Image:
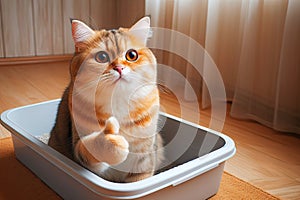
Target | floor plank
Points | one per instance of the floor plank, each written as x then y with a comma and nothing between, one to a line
266,158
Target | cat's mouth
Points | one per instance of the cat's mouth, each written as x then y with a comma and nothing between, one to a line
120,71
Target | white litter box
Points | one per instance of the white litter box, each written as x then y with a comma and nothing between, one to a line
193,168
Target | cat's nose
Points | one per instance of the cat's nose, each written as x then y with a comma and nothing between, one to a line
119,69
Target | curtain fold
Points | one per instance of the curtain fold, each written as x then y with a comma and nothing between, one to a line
254,43
176,15
267,89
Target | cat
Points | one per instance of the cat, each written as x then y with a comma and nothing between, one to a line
107,118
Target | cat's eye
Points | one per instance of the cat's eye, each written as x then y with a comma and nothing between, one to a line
131,55
102,57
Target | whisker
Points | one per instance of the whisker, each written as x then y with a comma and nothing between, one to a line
92,84
80,89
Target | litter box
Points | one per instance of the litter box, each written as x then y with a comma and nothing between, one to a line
195,158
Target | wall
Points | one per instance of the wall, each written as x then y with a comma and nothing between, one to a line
42,27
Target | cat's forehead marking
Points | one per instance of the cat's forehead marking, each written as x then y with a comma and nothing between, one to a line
114,42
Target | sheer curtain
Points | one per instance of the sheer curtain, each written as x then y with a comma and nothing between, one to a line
254,43
176,15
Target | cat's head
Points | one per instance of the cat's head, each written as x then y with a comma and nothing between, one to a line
113,57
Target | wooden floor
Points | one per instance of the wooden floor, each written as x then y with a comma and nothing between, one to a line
266,158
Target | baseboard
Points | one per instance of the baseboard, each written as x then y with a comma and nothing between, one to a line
34,59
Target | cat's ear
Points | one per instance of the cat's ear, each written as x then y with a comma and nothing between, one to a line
141,29
80,32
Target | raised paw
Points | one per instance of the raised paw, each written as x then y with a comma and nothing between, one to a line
116,145
117,149
107,146
111,126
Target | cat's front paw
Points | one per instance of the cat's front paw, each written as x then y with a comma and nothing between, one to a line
111,126
117,144
118,149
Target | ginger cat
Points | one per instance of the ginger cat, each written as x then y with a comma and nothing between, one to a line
107,118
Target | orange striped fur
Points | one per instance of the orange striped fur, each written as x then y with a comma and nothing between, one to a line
109,111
